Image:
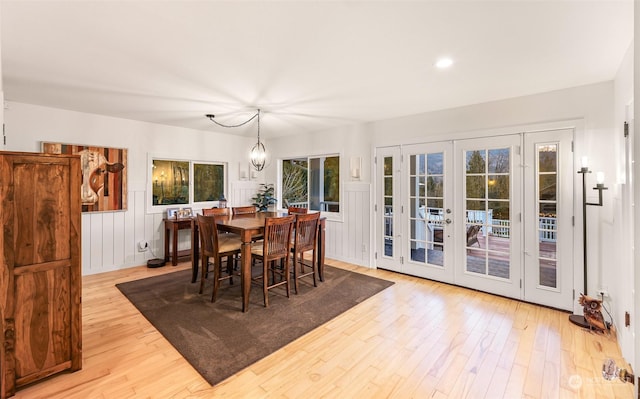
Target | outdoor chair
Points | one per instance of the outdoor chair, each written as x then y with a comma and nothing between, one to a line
472,235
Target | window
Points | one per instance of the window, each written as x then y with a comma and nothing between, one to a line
312,182
180,182
170,182
208,182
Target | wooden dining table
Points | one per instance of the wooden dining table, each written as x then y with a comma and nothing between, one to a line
248,226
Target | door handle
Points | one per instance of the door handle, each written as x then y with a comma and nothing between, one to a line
447,221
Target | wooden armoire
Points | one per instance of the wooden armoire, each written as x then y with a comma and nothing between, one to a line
40,271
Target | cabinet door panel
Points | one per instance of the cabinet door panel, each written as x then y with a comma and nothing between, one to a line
41,221
42,322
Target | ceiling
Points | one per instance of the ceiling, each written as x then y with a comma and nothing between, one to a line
308,66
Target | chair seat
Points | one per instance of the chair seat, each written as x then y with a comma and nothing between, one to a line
256,247
228,244
215,247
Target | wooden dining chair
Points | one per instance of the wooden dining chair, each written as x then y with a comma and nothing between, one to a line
305,234
244,210
216,246
215,212
276,245
220,212
295,210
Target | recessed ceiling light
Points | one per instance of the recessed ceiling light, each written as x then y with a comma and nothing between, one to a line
443,63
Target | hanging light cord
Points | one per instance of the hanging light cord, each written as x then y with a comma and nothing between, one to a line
258,152
211,117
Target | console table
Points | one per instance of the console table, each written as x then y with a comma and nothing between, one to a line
171,228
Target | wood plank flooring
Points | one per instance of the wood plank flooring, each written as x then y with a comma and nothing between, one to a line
417,339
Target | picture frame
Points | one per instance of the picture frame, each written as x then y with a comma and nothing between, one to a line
185,213
172,213
104,175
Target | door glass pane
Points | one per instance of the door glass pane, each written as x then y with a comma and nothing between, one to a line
433,203
421,187
388,166
499,160
388,186
547,167
487,200
547,186
548,158
476,161
476,186
498,186
435,165
388,206
498,264
426,208
435,186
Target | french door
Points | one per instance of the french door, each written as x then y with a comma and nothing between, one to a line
488,195
489,214
414,230
388,208
548,204
428,206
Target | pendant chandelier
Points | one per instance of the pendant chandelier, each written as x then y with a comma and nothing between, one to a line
258,154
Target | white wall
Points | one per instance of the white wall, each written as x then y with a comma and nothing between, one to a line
635,315
588,109
109,239
620,282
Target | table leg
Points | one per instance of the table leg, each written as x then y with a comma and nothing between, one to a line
321,226
246,271
174,250
195,250
167,233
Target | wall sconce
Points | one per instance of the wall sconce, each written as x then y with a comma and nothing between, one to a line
243,171
355,166
578,319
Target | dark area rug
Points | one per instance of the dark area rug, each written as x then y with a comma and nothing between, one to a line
218,339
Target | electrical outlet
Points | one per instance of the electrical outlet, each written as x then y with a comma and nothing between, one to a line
603,292
143,246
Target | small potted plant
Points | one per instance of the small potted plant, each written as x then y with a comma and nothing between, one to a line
264,197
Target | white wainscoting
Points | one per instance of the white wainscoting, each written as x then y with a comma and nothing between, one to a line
110,239
349,240
242,193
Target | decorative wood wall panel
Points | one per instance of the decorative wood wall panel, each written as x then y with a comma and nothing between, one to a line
104,175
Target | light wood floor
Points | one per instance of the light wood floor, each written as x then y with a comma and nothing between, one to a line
417,339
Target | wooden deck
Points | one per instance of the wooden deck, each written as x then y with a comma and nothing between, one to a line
490,256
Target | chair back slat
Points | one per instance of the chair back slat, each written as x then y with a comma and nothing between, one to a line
306,230
277,237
